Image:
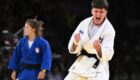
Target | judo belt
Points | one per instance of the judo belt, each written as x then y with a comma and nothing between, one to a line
83,52
30,66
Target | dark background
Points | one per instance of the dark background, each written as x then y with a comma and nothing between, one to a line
61,17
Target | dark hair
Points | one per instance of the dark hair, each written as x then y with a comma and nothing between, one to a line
100,4
37,25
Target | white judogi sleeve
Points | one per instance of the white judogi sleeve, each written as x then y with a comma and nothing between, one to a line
70,45
107,46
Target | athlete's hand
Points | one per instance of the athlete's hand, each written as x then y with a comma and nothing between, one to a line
77,37
13,75
41,75
96,44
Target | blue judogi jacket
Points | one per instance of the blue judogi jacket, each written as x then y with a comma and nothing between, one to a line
39,53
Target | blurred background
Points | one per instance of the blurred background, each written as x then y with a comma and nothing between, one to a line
61,17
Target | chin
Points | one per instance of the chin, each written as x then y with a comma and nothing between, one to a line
97,23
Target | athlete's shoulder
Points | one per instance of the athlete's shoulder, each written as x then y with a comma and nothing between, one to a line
21,41
43,41
86,21
109,26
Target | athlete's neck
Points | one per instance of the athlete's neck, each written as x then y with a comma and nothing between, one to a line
32,37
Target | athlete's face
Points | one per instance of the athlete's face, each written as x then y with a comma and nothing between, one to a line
28,30
99,15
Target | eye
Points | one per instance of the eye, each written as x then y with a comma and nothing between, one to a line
96,11
101,11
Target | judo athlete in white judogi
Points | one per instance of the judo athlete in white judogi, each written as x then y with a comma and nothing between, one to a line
92,42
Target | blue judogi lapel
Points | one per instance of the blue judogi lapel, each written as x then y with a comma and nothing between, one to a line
28,52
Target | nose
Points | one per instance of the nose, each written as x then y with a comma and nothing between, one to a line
98,14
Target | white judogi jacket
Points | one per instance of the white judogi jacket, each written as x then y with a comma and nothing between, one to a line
83,64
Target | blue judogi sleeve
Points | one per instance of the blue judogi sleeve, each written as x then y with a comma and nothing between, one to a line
46,56
15,59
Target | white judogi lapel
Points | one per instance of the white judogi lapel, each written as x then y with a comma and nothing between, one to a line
89,45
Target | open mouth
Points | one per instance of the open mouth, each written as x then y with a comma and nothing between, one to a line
97,18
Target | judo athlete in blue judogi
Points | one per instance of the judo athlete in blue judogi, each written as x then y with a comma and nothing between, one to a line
32,56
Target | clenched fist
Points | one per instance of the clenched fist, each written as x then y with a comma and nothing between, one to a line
77,37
